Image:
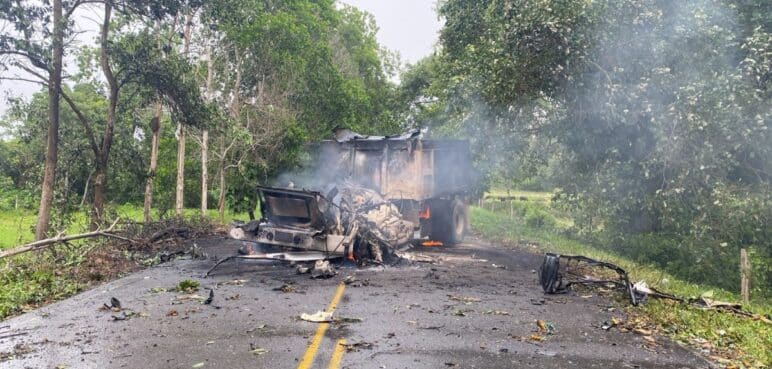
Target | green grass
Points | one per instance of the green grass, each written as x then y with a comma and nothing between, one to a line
745,340
17,226
528,195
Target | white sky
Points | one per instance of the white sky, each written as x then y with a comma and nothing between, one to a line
409,27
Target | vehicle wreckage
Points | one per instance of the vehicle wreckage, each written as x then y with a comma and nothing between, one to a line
369,196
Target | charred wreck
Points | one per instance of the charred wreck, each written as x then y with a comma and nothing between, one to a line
368,196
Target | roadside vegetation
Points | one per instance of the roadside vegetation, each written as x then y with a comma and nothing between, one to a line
31,280
532,223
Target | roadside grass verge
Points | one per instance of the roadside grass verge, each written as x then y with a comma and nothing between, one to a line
30,280
733,341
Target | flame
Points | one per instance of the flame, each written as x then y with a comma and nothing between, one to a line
425,214
431,243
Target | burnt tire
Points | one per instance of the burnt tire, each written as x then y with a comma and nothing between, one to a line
449,222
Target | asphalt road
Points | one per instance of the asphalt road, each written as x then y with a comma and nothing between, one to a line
475,307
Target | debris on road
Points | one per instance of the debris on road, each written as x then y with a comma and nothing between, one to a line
115,305
545,326
322,270
608,324
234,282
210,298
416,257
465,299
462,312
257,351
186,297
362,345
318,317
343,320
286,288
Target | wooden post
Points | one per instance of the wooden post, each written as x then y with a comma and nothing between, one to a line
511,208
745,275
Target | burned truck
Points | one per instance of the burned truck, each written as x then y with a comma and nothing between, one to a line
368,196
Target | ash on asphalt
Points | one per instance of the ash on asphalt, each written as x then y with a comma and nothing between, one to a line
474,307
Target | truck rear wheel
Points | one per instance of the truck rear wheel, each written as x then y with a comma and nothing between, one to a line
449,222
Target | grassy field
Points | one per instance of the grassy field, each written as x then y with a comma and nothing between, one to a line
744,342
17,227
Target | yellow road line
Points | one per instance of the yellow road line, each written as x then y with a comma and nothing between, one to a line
337,354
308,357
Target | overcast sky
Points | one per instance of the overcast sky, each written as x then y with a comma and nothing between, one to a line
409,27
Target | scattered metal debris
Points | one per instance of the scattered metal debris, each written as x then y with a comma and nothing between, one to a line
318,317
555,277
322,270
210,298
554,280
115,305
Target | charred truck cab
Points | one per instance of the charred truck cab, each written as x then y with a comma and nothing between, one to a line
373,195
299,219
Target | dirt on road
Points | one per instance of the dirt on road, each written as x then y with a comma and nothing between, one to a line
474,306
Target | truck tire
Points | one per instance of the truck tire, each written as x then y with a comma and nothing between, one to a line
449,222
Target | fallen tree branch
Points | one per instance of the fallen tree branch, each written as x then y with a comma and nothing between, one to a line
42,244
171,231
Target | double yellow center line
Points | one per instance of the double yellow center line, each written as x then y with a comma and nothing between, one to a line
337,354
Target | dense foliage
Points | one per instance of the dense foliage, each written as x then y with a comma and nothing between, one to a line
263,78
652,118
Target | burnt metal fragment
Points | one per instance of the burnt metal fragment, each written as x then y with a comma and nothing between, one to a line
553,279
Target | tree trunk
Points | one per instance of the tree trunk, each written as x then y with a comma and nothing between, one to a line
52,140
103,154
180,189
221,200
155,128
204,173
99,195
179,202
205,137
85,190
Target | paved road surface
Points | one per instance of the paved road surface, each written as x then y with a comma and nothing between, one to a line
416,315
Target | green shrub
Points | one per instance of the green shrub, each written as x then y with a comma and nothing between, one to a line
539,219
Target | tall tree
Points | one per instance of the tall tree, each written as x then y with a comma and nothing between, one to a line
31,21
179,203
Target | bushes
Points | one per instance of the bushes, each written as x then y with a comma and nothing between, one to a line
534,214
29,282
